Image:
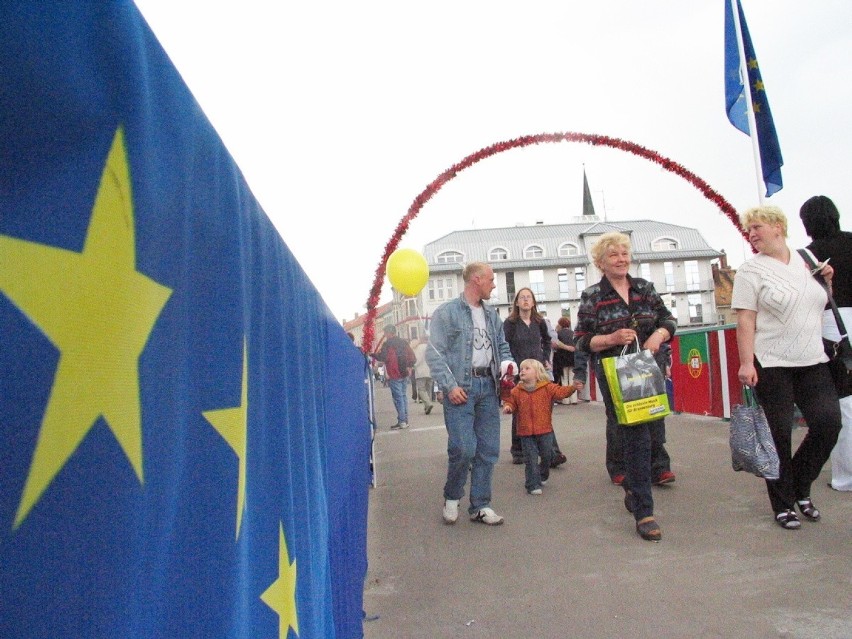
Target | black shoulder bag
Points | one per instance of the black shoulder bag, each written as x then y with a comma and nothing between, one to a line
840,352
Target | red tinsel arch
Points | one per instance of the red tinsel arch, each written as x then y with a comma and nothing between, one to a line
542,138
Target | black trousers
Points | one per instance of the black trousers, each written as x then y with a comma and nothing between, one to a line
812,390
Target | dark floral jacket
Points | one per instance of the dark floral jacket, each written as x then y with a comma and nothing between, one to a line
602,311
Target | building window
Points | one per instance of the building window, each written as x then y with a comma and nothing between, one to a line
566,310
410,307
533,251
580,279
568,249
564,286
450,257
441,288
645,271
510,286
668,267
696,314
537,284
664,244
693,281
497,254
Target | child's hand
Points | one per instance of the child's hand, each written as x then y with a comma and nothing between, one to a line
507,410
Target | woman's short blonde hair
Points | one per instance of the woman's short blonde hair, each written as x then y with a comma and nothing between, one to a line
538,367
766,214
605,242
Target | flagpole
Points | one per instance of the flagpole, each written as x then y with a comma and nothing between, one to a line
752,122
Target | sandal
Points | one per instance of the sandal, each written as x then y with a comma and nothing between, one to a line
648,529
808,509
788,519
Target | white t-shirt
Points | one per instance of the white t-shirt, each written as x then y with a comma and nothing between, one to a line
483,350
789,304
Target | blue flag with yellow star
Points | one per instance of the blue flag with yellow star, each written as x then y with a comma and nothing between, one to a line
736,96
184,430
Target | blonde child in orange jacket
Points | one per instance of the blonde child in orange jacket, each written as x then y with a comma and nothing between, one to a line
532,399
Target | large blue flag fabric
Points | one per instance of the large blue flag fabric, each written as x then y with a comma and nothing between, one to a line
184,431
735,99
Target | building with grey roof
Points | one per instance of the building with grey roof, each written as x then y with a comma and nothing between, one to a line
554,260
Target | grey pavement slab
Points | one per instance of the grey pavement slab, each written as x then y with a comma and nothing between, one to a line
570,564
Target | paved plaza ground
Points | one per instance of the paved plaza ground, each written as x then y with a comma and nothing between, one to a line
570,564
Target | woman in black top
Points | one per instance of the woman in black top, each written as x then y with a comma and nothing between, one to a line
822,223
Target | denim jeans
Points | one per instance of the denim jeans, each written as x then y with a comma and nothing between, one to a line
400,398
535,446
473,442
636,447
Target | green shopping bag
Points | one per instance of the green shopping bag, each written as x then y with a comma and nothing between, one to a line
637,387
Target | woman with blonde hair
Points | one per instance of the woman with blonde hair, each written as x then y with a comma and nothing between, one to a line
614,313
779,338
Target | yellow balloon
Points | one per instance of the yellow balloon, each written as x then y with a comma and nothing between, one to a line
408,271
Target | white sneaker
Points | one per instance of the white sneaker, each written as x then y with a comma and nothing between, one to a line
451,511
400,426
487,516
535,491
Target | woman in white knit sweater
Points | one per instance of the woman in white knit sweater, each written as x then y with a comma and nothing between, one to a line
779,337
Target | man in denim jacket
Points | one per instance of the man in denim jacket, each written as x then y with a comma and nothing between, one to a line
466,356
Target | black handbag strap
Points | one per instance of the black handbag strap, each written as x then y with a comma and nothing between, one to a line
806,255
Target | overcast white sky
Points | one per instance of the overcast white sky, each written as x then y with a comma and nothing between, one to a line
340,113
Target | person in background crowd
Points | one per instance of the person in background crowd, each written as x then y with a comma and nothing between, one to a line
614,313
822,223
467,356
779,324
424,376
581,375
398,359
528,337
563,357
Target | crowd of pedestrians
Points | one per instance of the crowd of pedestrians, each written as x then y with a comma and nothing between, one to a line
783,335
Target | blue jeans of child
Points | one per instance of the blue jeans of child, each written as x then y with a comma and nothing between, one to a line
400,398
535,446
473,442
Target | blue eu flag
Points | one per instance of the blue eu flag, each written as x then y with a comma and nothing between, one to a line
735,100
184,432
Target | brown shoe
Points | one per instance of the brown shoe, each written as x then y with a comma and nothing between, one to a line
648,529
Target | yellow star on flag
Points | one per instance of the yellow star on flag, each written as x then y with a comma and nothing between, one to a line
232,425
98,311
281,595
